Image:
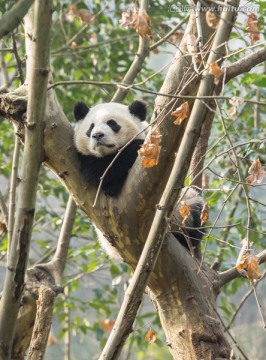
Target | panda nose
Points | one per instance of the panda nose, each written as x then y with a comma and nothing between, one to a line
98,135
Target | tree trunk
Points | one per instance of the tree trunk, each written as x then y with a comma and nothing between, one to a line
184,296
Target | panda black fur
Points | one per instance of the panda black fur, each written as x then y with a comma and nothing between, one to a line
99,134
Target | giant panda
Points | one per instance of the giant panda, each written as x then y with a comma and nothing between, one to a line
99,134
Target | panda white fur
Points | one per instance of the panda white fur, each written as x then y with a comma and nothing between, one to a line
98,135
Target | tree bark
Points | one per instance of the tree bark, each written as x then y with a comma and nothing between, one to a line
184,297
42,324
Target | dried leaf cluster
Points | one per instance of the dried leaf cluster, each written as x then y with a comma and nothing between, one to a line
84,14
249,267
181,113
204,216
184,210
212,20
216,71
253,28
150,150
256,172
235,102
137,19
150,337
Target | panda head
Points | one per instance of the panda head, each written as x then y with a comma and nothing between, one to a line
105,128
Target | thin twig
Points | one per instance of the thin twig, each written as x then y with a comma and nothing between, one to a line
19,62
239,172
232,337
128,87
3,208
218,261
136,66
242,302
6,80
214,223
60,256
259,306
12,191
171,32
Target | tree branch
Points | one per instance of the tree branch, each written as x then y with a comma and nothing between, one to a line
4,208
137,63
57,265
242,302
3,68
245,64
197,161
11,19
42,325
231,274
13,191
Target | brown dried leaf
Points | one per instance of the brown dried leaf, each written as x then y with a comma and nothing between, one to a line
236,101
204,216
250,179
249,264
51,340
85,15
256,170
212,20
107,324
139,20
253,28
181,113
3,228
127,18
73,45
93,39
233,113
216,71
70,16
150,150
184,210
141,23
150,337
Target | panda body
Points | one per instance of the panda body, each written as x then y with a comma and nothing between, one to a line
100,136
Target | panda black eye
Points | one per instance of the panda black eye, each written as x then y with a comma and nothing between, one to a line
113,125
88,133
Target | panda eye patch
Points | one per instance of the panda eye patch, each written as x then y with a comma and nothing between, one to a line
88,133
113,125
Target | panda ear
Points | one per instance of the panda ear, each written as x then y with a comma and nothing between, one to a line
80,111
138,108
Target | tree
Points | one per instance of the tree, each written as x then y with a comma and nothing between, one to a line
182,286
